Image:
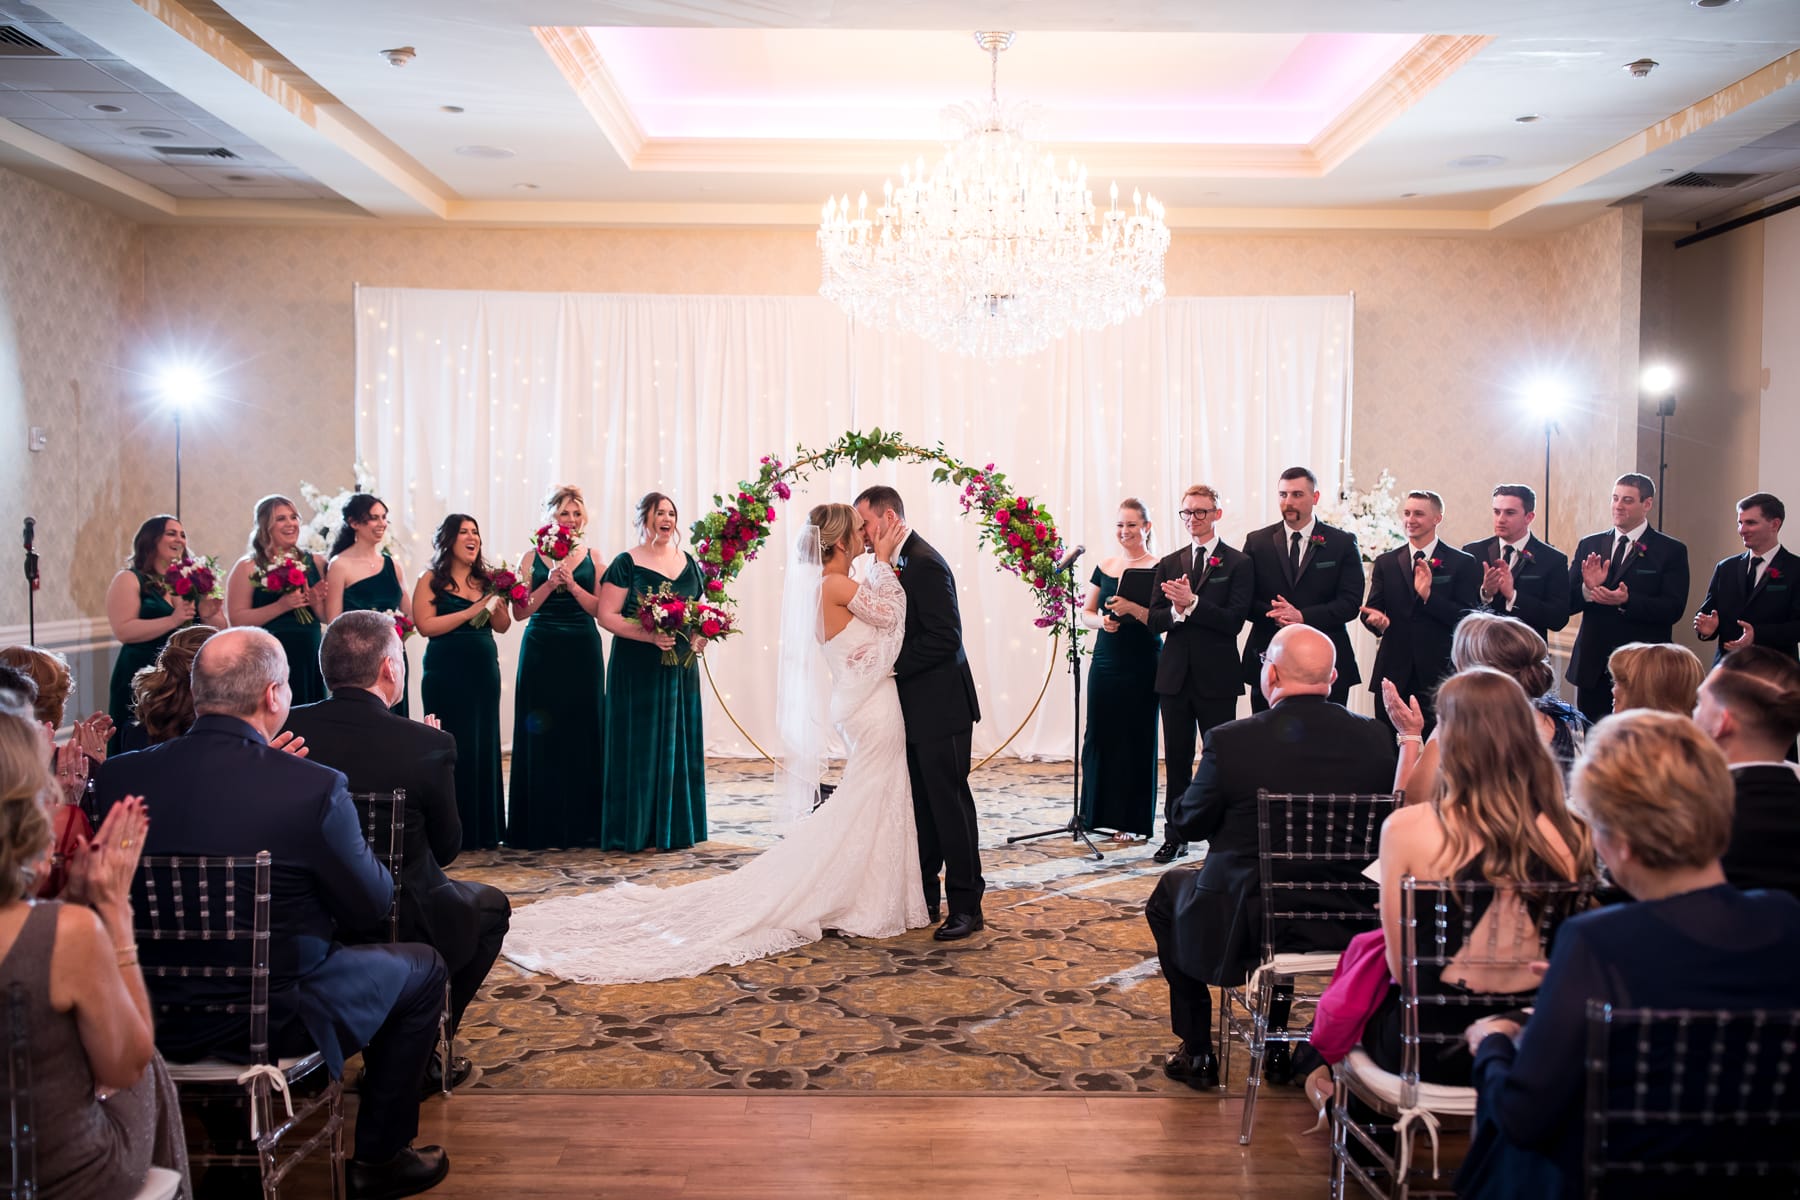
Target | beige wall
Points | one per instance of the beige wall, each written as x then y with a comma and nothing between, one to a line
71,290
1447,330
1704,316
1780,427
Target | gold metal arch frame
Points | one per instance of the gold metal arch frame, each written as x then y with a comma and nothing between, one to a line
1050,671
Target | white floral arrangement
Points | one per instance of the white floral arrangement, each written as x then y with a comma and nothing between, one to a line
328,513
1372,515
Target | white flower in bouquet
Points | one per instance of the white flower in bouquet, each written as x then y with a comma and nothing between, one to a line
1372,515
328,513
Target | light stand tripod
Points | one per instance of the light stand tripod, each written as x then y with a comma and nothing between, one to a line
1076,828
1665,408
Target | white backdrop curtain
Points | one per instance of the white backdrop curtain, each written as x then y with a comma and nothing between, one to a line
479,402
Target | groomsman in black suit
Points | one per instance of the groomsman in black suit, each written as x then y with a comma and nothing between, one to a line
1750,706
939,708
381,751
1417,594
1630,584
1307,573
1754,597
1199,602
1521,576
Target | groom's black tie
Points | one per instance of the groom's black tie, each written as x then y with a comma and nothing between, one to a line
1294,553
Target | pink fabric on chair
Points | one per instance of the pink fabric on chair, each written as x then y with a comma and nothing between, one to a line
1356,990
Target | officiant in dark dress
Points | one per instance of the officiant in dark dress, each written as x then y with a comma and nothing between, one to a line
1118,749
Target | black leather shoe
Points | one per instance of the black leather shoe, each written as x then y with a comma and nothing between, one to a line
1168,852
1278,1063
460,1070
959,925
408,1173
1199,1070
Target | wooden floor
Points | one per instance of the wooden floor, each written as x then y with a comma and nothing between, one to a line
737,1147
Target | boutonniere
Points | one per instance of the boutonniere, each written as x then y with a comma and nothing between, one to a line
1317,539
1774,573
1526,556
1437,563
1214,561
1642,549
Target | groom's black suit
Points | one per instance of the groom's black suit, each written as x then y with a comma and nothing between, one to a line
937,699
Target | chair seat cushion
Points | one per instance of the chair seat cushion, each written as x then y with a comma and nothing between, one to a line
159,1184
217,1070
1369,1080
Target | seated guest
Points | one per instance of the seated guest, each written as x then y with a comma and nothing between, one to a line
87,1017
1495,816
1657,795
1514,649
223,790
1750,706
1207,921
162,695
1658,675
379,751
18,692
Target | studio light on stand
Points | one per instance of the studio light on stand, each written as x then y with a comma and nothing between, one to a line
1659,385
1545,399
180,388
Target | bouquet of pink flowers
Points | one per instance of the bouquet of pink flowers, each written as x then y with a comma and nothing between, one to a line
403,624
193,578
662,611
283,577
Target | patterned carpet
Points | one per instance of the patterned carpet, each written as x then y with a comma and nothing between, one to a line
1059,994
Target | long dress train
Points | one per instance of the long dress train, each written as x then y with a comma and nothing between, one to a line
851,866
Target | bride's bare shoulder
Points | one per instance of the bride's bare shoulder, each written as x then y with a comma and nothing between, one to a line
838,589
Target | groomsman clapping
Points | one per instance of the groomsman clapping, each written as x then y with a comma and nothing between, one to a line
1754,597
1522,576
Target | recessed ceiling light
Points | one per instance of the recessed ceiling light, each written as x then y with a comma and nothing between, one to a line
1529,118
1665,170
107,108
485,152
154,135
450,108
241,178
1640,68
525,187
1713,3
1407,195
1476,160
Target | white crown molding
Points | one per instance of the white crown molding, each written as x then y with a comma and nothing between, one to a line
1431,61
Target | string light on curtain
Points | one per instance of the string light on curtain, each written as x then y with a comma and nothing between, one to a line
994,253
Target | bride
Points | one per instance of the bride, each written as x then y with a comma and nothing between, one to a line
852,865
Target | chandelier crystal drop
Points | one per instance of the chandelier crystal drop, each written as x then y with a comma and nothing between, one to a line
994,252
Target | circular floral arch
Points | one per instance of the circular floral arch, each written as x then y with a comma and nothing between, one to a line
1019,531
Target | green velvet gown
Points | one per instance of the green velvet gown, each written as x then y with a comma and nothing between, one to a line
558,734
461,684
1118,751
380,592
299,638
153,605
655,748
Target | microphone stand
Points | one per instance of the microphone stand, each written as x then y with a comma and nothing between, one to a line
1076,828
31,582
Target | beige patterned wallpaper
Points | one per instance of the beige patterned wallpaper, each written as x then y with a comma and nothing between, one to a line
71,290
1447,330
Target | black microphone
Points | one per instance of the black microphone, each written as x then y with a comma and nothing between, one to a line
1069,559
30,531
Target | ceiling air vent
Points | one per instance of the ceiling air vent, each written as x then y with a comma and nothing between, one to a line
16,43
195,152
1709,179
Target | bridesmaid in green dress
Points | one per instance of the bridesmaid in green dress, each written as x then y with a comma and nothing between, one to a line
457,609
276,536
361,575
143,614
1118,752
655,792
558,697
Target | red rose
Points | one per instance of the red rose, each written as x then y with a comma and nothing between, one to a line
183,586
1022,506
678,607
1038,582
1214,561
1038,531
715,585
647,617
710,627
521,593
1437,562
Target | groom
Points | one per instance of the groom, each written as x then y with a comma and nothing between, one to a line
937,701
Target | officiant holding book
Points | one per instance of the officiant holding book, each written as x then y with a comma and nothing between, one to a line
1118,750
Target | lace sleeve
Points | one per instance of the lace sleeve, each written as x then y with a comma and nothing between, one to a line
880,600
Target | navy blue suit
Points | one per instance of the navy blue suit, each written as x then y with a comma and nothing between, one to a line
222,790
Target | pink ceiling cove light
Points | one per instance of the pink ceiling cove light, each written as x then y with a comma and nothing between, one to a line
886,85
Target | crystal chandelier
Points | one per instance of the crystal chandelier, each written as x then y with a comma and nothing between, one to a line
994,253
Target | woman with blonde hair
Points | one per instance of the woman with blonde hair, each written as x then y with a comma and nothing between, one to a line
87,1014
559,694
292,615
1496,815
1658,675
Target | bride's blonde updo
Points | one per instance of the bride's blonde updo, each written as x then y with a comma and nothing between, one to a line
837,524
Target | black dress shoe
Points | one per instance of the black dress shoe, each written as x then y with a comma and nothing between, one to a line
1198,1069
408,1173
959,925
1168,852
460,1070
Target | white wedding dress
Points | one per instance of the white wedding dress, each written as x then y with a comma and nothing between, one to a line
852,866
